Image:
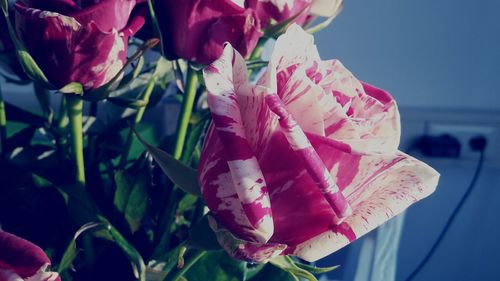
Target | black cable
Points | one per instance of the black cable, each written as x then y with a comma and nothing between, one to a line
453,215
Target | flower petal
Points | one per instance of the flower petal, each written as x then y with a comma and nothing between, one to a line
377,186
106,14
57,6
237,171
241,30
70,52
364,116
23,258
294,47
244,250
312,162
326,8
197,30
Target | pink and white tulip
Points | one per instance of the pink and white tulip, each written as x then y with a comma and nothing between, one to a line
23,260
307,160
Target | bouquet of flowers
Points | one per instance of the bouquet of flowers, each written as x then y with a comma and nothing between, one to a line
274,161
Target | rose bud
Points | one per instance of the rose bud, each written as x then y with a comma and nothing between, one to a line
78,41
306,161
281,10
196,30
23,260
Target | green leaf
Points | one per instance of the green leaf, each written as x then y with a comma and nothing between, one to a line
193,138
187,203
216,266
156,26
27,62
21,138
133,255
84,210
131,196
271,272
320,26
274,31
183,176
131,94
126,102
72,88
288,264
80,206
71,251
5,7
179,76
43,96
31,68
257,64
201,236
17,114
104,91
31,156
316,270
129,77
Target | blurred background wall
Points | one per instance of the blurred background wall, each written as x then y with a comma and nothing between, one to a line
441,61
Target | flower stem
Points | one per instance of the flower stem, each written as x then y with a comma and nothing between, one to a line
138,117
3,124
187,109
259,49
62,121
74,109
156,26
257,53
196,256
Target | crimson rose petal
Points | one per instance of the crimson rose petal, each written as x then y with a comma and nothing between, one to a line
197,30
20,258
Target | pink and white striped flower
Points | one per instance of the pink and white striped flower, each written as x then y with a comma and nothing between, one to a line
281,10
307,160
23,260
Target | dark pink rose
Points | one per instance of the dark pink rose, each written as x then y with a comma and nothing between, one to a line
78,41
281,10
307,160
196,30
23,260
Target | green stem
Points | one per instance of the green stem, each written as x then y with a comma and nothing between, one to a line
187,109
257,53
3,124
156,26
75,109
62,121
196,256
43,98
138,117
259,49
167,217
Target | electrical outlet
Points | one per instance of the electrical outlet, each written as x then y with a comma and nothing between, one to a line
464,132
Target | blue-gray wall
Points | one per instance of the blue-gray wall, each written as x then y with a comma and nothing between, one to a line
431,53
